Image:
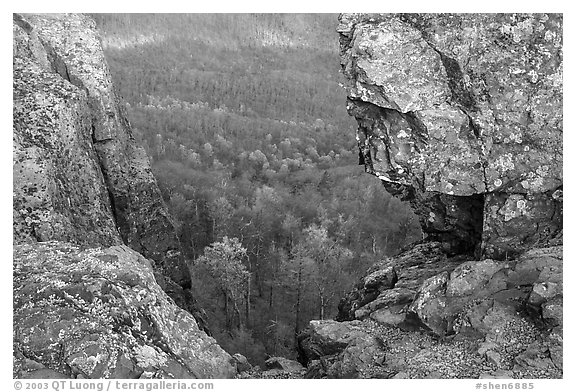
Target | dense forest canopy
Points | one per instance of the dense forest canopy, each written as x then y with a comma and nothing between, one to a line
245,122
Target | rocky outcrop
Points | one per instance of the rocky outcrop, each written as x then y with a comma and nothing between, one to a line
79,175
462,115
99,313
477,318
411,268
85,304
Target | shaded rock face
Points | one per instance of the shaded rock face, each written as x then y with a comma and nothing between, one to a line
462,115
85,304
79,175
99,313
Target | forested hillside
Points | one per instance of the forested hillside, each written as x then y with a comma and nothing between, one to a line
246,127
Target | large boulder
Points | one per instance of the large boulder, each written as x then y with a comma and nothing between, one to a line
462,115
79,174
430,304
99,313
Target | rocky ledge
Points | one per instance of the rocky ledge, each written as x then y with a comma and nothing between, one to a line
422,314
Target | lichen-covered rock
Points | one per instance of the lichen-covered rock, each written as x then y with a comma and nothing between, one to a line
80,178
99,313
462,115
59,189
326,337
531,284
382,279
79,175
468,277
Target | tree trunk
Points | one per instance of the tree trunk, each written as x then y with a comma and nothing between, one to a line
271,300
298,295
258,275
226,316
237,312
248,302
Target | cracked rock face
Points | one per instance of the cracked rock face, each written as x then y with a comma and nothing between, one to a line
79,175
85,201
462,115
99,313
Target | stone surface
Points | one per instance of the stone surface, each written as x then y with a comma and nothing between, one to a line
499,307
99,313
79,175
382,279
343,350
326,337
412,267
387,299
529,284
86,305
284,364
468,277
395,316
242,364
514,348
429,305
462,115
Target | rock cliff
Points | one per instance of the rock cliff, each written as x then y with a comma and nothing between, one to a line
84,194
461,115
79,175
